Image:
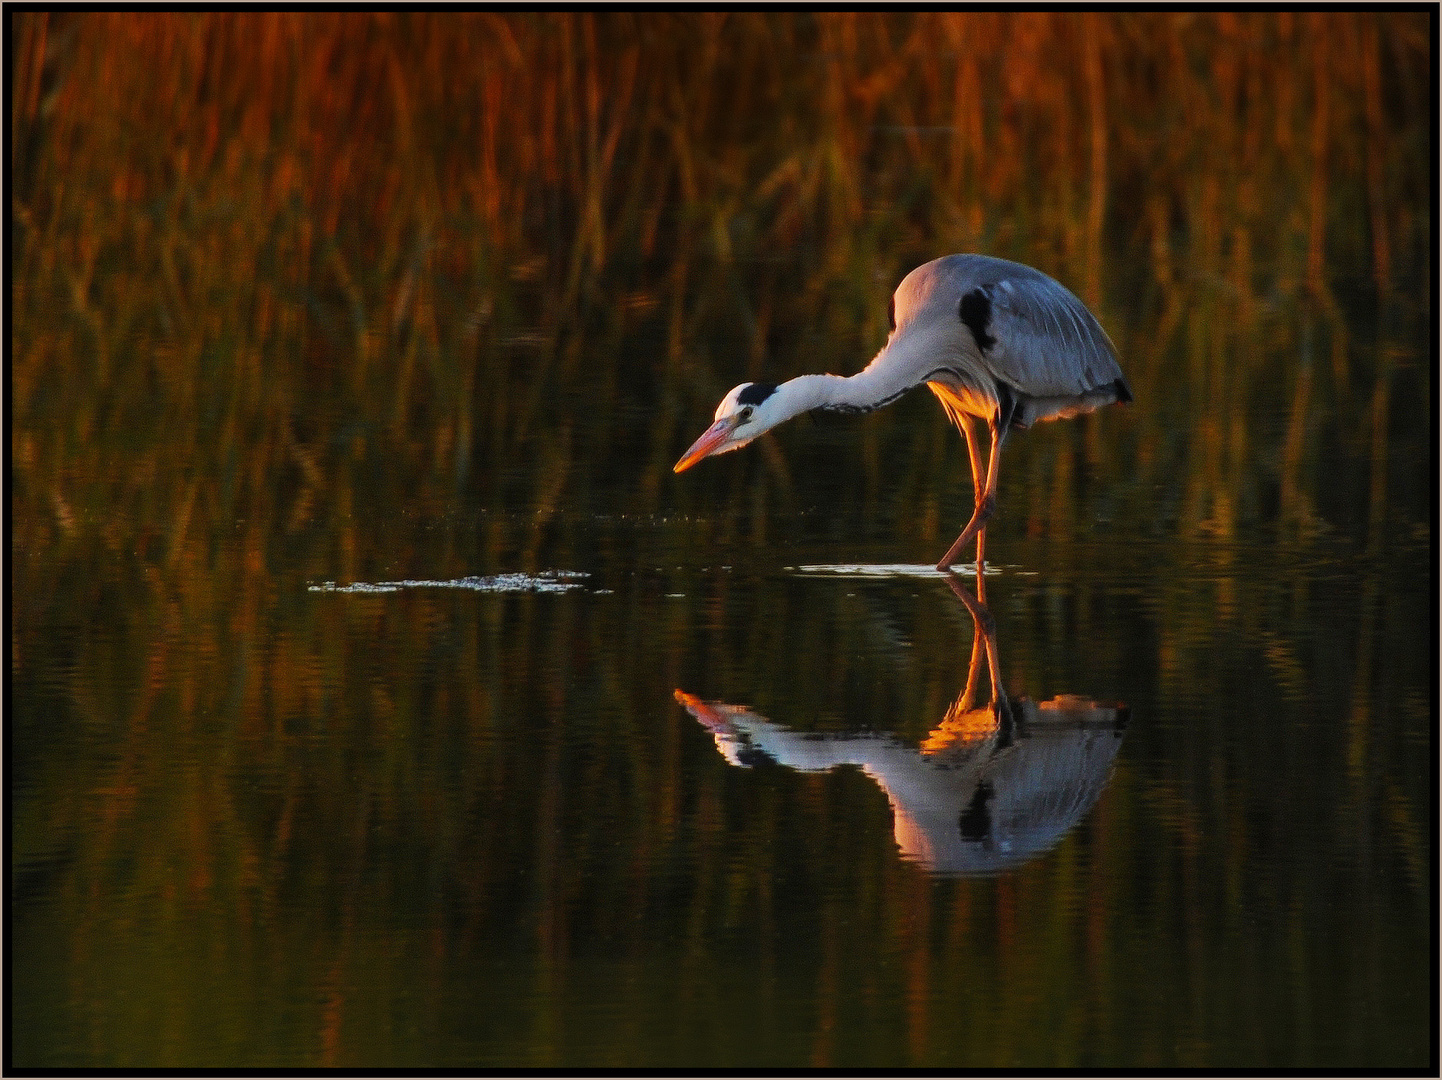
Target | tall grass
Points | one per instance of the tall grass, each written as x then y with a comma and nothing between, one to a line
309,240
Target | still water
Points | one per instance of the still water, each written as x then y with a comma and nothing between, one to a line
664,800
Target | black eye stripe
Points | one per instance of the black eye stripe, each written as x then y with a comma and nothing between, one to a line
755,393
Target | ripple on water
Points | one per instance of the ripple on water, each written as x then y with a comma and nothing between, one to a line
884,570
548,581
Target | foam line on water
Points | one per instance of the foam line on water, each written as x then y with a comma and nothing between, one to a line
548,581
881,570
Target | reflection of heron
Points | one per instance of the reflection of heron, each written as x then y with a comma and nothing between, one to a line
991,787
992,339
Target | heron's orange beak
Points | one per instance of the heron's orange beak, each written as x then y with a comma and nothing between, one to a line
715,435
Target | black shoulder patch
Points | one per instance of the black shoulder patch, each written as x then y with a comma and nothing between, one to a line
891,313
755,393
975,312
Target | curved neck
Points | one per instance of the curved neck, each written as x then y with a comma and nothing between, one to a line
807,392
868,389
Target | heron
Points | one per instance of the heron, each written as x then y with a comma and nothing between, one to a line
994,340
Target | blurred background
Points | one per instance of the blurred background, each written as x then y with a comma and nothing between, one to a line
304,297
471,255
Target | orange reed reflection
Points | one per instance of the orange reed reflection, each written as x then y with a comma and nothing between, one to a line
990,788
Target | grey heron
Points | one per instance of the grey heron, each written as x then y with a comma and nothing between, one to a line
992,339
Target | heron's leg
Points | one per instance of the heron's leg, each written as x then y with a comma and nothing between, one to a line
985,502
973,451
978,478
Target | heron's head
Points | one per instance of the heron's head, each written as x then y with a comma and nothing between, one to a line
746,412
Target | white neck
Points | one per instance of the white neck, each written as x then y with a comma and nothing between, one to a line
866,390
804,393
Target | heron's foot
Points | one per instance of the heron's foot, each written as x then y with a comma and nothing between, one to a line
981,616
984,510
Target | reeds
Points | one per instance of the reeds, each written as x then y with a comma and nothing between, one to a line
443,238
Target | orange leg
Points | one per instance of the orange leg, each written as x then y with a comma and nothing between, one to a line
978,478
985,500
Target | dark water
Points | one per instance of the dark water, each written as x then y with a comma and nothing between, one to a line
677,811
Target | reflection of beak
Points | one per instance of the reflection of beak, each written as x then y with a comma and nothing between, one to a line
710,718
708,443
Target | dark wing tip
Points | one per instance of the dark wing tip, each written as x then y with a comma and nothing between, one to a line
1123,391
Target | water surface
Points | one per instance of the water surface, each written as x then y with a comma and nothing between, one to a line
419,824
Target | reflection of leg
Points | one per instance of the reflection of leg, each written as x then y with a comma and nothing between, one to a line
967,701
993,664
985,500
973,669
985,636
966,723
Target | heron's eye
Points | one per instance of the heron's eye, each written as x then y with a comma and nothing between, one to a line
891,313
745,414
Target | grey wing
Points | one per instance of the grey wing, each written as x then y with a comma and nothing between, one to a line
1045,343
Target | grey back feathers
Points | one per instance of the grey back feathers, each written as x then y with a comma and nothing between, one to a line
1019,328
